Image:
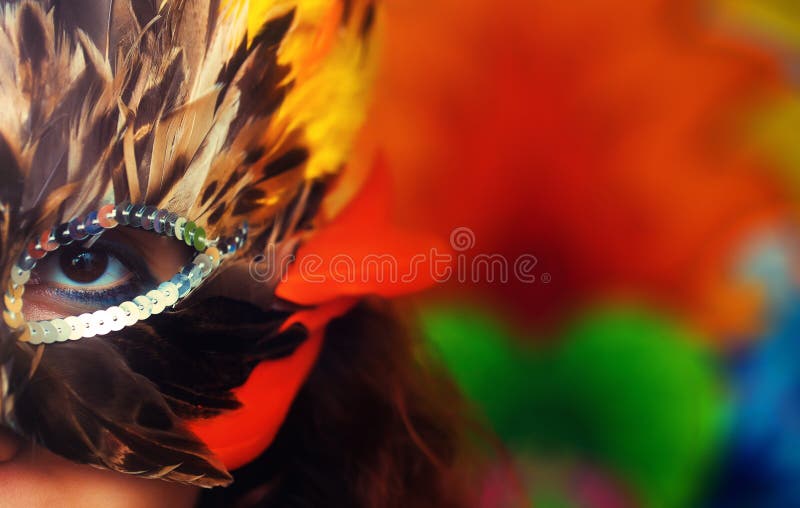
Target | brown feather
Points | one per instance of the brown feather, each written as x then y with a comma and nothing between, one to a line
178,105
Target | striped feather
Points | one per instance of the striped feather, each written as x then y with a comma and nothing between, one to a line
224,111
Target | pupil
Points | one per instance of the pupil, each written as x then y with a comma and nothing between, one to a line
82,265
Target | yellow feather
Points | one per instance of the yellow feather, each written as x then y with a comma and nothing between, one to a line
332,68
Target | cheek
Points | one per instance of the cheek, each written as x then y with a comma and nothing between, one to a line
239,436
36,477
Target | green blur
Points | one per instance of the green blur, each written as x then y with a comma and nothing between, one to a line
622,389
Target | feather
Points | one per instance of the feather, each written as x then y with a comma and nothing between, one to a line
225,112
84,402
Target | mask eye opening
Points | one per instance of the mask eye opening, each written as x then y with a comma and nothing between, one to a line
207,257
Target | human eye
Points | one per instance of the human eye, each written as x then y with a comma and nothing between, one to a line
100,275
84,277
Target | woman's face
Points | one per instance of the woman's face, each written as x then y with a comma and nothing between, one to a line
71,282
117,266
32,477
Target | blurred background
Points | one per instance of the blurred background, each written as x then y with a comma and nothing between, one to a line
643,157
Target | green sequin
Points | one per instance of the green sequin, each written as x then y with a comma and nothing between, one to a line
200,239
188,231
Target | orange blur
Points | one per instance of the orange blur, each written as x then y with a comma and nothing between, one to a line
604,136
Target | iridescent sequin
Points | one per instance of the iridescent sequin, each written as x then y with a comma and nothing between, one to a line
115,318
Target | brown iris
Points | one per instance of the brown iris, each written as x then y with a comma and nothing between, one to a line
83,265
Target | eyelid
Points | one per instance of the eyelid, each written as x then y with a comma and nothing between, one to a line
70,301
129,277
129,257
124,253
52,297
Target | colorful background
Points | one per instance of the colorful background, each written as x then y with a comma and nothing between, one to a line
646,152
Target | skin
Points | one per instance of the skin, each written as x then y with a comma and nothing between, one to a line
31,476
163,256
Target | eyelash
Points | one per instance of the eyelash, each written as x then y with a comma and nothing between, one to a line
90,298
141,277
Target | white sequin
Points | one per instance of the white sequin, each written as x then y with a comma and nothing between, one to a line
75,327
62,328
205,263
170,292
179,224
88,325
196,276
157,299
19,276
117,318
145,306
131,311
50,333
37,333
102,322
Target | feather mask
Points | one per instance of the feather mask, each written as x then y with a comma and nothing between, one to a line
231,112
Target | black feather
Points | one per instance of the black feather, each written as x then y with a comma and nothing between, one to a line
85,403
33,45
198,354
274,30
90,16
292,159
11,178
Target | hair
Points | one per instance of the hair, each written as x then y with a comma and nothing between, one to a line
377,424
